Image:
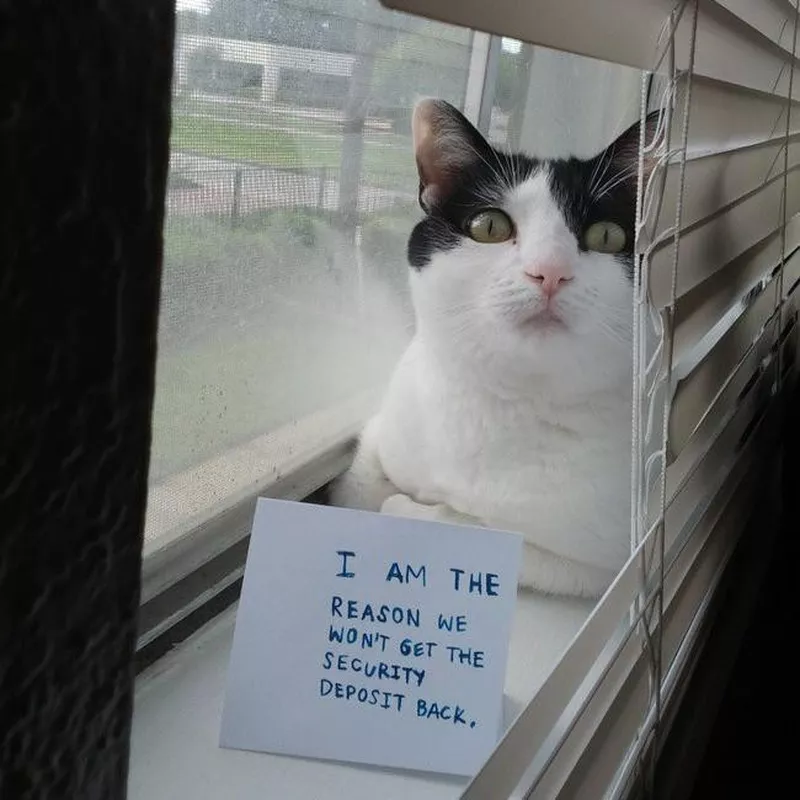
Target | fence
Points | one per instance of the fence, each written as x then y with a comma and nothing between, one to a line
201,186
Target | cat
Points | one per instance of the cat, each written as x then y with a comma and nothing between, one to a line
511,407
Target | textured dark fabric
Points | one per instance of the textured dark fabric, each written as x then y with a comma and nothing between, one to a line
751,750
84,128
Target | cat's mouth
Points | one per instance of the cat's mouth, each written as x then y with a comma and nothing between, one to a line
546,319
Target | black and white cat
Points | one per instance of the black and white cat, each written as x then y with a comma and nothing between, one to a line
511,407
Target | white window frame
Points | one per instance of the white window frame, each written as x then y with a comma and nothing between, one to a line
201,560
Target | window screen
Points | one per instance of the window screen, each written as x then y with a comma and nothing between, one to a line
292,192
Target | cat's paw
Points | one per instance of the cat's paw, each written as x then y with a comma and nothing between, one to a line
545,572
401,505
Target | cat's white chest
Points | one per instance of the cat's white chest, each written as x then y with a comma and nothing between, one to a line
558,472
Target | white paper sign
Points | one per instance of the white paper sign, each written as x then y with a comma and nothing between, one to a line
368,638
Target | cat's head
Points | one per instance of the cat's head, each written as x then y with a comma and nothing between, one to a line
523,267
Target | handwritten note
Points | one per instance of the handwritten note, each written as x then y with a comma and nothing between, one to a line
367,638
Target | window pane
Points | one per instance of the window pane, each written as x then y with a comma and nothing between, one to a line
556,104
292,190
292,193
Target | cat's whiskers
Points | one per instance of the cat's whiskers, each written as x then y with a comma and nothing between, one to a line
615,333
605,161
510,169
595,169
614,181
503,170
614,320
501,179
486,191
457,309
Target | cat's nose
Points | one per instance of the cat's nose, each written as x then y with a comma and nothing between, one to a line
550,277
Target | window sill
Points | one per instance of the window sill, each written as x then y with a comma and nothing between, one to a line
178,707
195,515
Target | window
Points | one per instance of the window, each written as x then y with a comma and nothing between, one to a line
285,305
285,301
292,192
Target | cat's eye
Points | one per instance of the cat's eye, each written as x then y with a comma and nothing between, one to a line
605,237
490,226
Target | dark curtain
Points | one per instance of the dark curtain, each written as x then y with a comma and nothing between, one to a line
84,129
751,748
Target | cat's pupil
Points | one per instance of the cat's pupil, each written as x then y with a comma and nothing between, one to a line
605,236
491,225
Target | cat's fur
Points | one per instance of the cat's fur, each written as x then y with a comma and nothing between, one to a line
505,411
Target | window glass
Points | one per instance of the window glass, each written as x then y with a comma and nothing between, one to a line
292,192
555,104
292,189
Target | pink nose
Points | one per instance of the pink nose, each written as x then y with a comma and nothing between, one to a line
550,277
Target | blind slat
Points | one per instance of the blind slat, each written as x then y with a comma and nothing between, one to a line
689,489
715,441
626,32
725,116
747,315
685,427
713,244
791,276
695,392
700,309
713,183
769,18
689,587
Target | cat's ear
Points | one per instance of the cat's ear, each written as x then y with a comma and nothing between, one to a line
623,153
445,143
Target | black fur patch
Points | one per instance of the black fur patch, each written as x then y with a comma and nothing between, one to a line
476,188
570,181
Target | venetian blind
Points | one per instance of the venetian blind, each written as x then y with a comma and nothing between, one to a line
716,307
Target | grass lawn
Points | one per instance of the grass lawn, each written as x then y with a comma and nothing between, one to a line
252,114
263,145
387,162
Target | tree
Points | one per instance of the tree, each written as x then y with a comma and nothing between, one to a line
376,30
359,27
355,116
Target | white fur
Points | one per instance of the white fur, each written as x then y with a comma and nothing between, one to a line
496,416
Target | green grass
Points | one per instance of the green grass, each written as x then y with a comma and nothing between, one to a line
251,114
388,163
262,145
